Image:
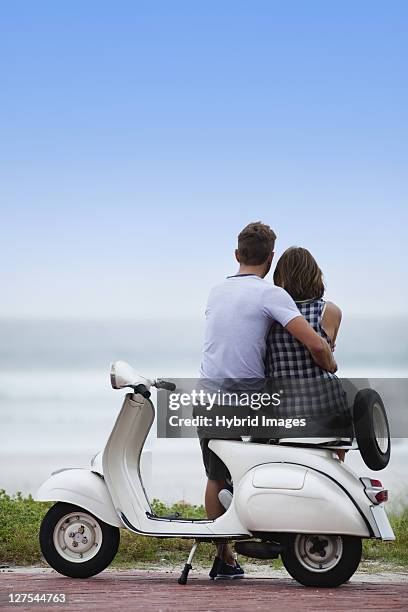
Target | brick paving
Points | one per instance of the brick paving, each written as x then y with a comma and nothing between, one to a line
159,591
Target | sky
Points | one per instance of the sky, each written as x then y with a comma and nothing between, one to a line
138,138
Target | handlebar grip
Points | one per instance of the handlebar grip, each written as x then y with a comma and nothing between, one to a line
165,384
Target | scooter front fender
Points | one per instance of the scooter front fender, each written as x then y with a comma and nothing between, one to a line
82,488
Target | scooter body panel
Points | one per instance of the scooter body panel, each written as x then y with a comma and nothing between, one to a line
82,488
280,497
327,483
121,459
121,468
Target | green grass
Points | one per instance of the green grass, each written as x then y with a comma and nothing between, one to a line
20,519
390,552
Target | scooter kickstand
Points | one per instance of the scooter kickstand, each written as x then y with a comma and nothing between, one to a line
188,566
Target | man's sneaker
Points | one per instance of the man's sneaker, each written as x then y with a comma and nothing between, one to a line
214,570
225,571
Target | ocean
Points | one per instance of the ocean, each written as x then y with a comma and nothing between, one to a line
57,406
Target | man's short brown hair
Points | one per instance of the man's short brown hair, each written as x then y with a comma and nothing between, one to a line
255,243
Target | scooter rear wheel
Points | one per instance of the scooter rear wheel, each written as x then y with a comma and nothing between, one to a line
321,560
76,543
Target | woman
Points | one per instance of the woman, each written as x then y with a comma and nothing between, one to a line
309,390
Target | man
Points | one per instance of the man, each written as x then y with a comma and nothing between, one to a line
239,314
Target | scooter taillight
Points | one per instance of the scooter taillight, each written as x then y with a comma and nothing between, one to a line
377,484
382,496
374,490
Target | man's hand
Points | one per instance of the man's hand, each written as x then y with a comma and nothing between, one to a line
318,347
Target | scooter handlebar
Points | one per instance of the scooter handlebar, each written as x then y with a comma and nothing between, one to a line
165,384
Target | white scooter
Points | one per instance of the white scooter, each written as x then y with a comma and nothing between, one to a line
300,503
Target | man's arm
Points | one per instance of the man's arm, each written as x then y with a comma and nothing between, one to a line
318,347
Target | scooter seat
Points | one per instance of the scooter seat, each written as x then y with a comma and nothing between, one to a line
326,442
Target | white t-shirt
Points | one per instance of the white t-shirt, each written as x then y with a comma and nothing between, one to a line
239,314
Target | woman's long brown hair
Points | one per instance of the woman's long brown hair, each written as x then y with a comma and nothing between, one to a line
298,273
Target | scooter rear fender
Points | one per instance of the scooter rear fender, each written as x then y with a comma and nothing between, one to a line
82,488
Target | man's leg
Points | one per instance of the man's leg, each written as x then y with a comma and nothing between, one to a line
213,506
214,509
217,474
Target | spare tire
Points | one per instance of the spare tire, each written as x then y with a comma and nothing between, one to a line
371,429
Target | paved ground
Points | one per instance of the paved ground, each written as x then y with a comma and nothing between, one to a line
158,590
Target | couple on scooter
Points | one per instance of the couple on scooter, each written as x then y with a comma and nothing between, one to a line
257,330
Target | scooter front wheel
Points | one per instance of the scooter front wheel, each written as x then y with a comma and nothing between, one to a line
76,543
321,560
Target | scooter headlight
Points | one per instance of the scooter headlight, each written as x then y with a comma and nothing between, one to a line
113,377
